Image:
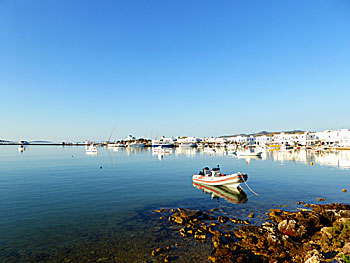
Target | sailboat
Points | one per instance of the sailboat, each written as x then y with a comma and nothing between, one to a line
114,144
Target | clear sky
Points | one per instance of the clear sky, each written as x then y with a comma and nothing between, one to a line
71,70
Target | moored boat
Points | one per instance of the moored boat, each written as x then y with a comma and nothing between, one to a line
216,178
91,149
248,153
137,145
160,149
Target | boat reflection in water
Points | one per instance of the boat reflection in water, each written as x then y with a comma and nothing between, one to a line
160,152
21,148
234,195
91,149
248,159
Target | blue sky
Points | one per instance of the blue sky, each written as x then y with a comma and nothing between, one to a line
70,70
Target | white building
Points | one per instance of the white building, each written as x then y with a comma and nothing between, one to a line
239,139
188,139
263,140
130,138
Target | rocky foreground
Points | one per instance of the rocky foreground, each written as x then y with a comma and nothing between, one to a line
316,233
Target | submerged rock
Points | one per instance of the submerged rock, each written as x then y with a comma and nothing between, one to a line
318,235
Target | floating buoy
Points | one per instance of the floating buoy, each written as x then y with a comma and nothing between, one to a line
100,167
311,163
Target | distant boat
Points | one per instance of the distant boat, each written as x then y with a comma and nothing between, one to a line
163,144
249,152
216,178
115,145
91,149
137,145
188,144
161,150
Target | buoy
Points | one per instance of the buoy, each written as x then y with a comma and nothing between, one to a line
311,163
100,167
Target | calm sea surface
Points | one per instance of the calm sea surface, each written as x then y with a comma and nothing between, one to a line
57,200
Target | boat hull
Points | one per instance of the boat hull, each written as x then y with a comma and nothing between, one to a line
248,154
232,180
168,145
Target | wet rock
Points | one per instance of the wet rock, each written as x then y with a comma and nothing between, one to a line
157,251
251,215
288,237
200,236
346,249
167,258
223,219
321,199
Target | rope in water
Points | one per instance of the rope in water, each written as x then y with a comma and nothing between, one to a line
249,187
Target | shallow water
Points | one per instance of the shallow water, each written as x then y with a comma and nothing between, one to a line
59,202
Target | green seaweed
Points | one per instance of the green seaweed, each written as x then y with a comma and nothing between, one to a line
347,259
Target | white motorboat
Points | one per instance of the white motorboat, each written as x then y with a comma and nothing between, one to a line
137,145
187,144
91,149
161,149
115,145
216,178
249,152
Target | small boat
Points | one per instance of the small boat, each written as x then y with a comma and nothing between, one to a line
160,149
137,145
163,144
115,145
249,152
216,178
91,149
187,144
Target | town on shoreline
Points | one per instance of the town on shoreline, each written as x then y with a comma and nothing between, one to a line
327,139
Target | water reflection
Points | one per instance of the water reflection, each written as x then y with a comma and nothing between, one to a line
232,195
160,152
248,159
339,159
21,148
189,152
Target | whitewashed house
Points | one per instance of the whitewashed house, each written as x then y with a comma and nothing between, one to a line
263,140
240,139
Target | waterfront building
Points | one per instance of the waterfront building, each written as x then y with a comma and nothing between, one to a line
187,139
240,139
263,140
130,138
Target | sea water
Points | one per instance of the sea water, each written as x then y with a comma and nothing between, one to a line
55,199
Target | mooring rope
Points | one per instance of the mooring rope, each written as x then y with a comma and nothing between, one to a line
249,187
